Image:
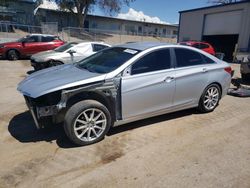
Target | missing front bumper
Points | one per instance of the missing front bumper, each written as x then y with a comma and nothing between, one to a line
39,113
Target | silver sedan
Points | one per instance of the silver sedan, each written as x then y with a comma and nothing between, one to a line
122,84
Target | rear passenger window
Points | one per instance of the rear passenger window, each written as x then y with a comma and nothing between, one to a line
186,57
48,39
196,45
98,47
203,46
154,61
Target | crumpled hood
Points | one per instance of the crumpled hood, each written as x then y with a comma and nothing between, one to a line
44,56
56,78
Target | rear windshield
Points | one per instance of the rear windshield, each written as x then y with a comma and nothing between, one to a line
107,60
65,47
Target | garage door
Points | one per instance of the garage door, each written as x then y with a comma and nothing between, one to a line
225,23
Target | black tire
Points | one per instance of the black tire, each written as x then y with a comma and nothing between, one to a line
13,55
75,112
202,102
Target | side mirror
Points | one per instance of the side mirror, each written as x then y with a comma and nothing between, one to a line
127,71
71,52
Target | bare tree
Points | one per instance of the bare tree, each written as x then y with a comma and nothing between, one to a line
80,8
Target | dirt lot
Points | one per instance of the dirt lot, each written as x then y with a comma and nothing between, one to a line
184,149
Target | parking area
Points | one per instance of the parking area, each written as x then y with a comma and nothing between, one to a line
183,149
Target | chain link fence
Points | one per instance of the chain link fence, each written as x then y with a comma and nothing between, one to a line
112,36
11,31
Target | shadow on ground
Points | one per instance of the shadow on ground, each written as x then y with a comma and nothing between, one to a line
22,128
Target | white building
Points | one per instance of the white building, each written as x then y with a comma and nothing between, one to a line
223,26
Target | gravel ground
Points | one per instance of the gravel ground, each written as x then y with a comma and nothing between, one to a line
183,149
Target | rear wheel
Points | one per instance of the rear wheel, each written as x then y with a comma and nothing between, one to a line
210,98
87,122
13,55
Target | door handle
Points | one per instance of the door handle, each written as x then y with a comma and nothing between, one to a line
204,70
169,79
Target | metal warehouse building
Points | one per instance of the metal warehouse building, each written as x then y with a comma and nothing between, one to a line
223,26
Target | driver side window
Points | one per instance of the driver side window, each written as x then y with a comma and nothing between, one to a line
32,39
154,61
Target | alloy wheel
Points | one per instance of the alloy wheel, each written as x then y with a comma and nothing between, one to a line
211,98
90,124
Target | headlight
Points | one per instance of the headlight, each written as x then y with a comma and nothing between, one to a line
1,46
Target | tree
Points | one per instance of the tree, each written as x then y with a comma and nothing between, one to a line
224,1
80,8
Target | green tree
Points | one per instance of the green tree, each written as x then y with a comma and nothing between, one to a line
80,8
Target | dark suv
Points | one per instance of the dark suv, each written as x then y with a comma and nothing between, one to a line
29,45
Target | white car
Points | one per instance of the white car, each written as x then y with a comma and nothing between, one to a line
67,53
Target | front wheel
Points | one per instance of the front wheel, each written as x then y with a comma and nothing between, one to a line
210,98
87,122
13,55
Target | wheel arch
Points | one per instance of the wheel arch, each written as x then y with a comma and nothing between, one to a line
218,84
99,96
7,51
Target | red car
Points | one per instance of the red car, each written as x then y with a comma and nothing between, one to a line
200,45
29,45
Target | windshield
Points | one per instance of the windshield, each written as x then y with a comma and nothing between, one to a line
107,60
65,47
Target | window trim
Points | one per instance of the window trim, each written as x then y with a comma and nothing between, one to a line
129,75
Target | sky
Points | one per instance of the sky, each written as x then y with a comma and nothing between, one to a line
166,10
156,11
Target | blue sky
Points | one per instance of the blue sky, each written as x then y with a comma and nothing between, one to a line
166,10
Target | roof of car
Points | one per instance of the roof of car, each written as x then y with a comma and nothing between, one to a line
142,45
194,42
38,34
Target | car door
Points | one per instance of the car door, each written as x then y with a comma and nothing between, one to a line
47,43
192,75
31,45
82,51
149,86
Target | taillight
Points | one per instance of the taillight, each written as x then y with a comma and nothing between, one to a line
228,70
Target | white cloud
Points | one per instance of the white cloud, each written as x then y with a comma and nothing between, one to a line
139,16
47,5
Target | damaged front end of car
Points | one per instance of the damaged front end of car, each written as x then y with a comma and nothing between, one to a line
52,107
